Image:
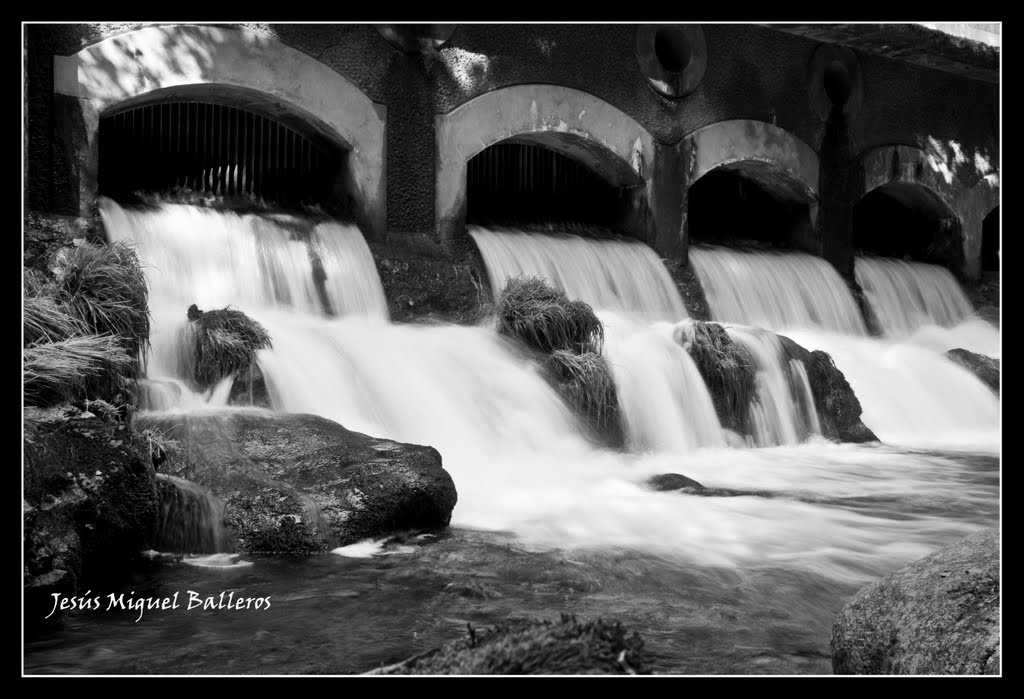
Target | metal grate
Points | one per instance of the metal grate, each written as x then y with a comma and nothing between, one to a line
214,149
516,181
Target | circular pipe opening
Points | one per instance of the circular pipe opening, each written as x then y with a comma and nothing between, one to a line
672,48
837,83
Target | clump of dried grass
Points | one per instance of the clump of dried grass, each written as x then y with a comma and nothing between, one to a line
544,318
224,343
74,368
104,287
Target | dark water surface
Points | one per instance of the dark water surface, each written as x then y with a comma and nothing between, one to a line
335,614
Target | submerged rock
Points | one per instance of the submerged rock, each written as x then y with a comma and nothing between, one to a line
985,368
673,481
295,483
89,506
565,647
937,616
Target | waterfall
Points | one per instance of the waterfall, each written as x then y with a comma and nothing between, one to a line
912,395
664,403
216,258
783,404
775,290
519,456
905,296
614,275
191,519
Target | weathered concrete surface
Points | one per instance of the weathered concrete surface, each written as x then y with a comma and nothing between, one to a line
135,64
971,50
973,205
752,71
669,80
577,123
943,169
779,161
937,616
416,37
824,57
424,282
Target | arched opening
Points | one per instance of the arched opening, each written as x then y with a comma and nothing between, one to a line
751,203
544,152
907,220
228,145
530,181
990,242
244,76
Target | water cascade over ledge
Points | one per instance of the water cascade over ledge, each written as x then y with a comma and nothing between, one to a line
774,290
517,454
613,275
905,296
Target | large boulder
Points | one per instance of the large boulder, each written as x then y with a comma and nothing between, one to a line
565,647
985,368
89,506
937,616
300,483
837,405
728,370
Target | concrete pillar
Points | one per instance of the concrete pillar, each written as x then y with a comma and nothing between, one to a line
410,145
76,155
838,192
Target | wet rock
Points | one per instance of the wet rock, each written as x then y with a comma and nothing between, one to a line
89,507
985,368
673,481
837,405
424,282
727,368
565,647
937,616
294,483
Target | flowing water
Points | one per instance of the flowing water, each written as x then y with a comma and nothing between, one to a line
744,582
905,296
775,290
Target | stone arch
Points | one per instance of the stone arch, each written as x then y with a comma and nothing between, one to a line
976,206
908,164
779,162
917,178
157,61
576,123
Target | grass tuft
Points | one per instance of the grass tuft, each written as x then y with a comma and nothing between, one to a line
524,647
73,369
544,318
224,343
46,320
104,287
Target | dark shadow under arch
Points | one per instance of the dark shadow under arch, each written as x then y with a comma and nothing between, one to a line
538,179
990,246
751,202
910,221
